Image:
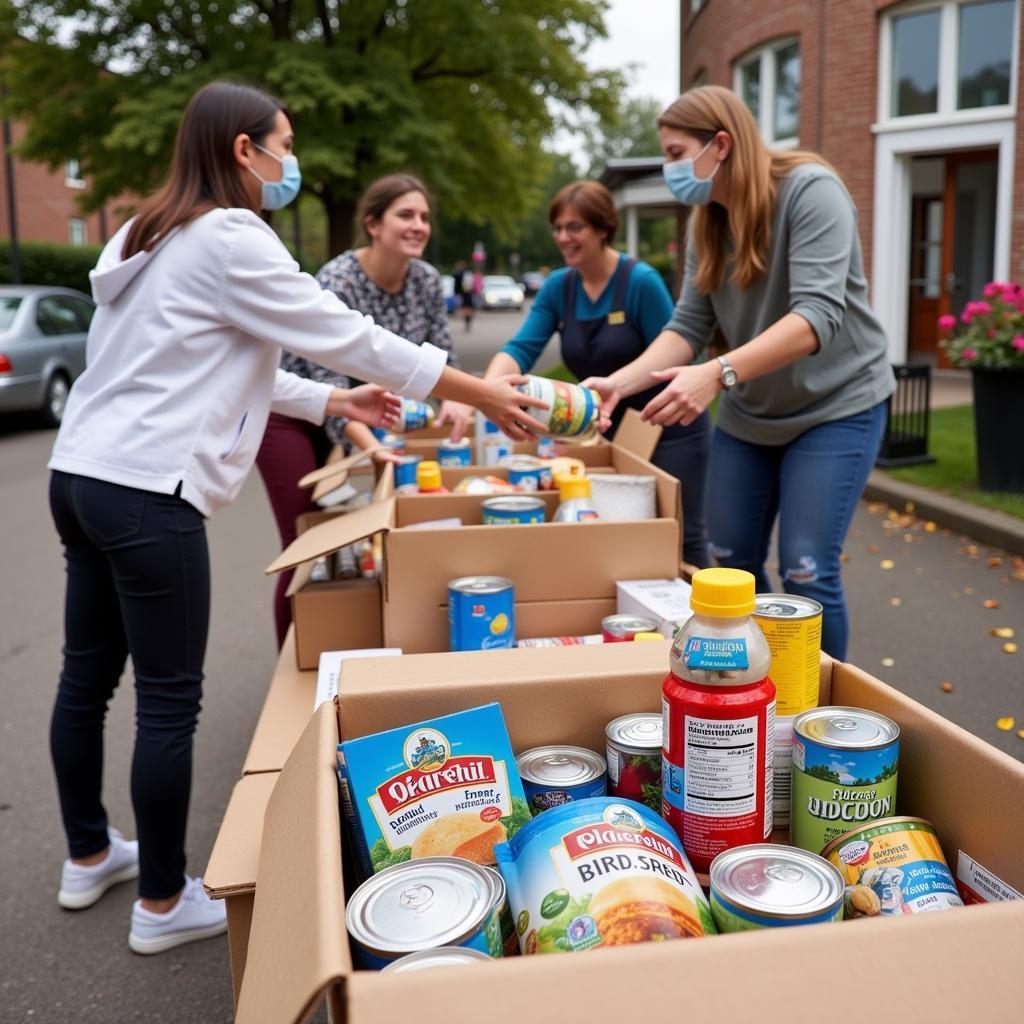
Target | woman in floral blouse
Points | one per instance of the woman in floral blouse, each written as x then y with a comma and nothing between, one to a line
386,280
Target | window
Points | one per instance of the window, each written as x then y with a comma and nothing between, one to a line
768,81
73,175
78,231
948,58
8,309
56,314
84,308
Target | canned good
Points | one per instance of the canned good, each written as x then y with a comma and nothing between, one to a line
414,415
481,613
782,773
445,956
845,766
503,914
423,904
557,775
766,886
792,627
512,511
562,641
618,628
390,440
529,474
545,447
405,470
633,748
571,410
893,866
455,453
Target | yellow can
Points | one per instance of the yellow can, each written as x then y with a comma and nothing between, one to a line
792,627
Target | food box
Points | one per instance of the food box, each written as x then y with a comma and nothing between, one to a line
665,601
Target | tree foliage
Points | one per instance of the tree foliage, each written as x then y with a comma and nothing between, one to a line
462,92
628,130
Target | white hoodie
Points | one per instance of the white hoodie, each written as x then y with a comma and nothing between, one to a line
183,352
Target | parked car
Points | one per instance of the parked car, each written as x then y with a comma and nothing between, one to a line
501,292
532,281
42,347
451,300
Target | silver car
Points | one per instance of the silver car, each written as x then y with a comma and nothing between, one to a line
42,347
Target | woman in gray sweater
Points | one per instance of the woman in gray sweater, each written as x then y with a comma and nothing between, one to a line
773,261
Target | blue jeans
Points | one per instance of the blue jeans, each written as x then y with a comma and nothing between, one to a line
812,485
138,583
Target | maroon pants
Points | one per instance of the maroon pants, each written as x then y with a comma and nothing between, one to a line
290,449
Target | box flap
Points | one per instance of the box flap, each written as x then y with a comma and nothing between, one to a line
236,851
298,945
323,538
636,436
339,468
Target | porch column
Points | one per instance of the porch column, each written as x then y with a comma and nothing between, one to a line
632,232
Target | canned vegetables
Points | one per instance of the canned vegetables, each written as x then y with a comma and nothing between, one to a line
557,775
481,613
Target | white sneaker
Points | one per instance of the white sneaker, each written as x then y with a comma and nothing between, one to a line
82,886
195,916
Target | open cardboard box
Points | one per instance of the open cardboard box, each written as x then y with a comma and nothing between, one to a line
950,966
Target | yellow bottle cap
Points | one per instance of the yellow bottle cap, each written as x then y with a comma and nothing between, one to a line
647,636
727,593
428,475
570,487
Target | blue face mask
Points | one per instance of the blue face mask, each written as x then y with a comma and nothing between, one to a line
683,182
277,195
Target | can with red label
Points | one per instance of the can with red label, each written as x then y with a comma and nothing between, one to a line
620,628
718,709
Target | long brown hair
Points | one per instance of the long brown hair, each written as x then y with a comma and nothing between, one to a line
374,202
754,174
594,203
204,174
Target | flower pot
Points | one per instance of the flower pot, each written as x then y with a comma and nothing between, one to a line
998,400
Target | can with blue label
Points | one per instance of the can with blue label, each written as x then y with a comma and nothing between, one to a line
415,415
512,511
557,775
455,453
481,613
529,473
405,470
545,447
423,904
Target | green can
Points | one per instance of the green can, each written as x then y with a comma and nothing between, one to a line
845,767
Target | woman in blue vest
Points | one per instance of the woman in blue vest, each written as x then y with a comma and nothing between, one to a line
608,308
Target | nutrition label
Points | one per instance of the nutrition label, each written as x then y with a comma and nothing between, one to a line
721,766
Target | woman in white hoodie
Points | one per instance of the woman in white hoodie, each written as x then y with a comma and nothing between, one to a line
196,298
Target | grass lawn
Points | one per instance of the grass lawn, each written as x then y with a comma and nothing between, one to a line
955,470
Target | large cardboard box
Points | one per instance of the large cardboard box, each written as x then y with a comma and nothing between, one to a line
953,966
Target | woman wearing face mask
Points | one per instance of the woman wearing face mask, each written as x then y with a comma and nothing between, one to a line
774,261
608,308
388,281
195,296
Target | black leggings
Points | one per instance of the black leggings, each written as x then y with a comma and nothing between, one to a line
138,582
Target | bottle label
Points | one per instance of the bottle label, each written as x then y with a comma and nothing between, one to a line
721,776
716,655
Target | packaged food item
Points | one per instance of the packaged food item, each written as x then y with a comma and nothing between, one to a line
455,453
481,613
428,478
563,465
445,956
527,473
405,472
792,627
557,775
600,872
390,440
576,506
414,416
620,498
845,768
321,570
446,787
420,905
561,641
719,710
633,745
619,628
492,446
483,485
767,886
545,447
893,866
665,601
782,772
512,511
572,410
506,926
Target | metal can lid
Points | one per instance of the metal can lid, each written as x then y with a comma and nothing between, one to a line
526,462
513,504
785,606
446,956
776,881
463,442
620,625
420,904
499,892
560,766
878,826
408,460
637,733
480,585
849,728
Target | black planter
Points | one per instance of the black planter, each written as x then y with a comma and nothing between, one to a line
998,401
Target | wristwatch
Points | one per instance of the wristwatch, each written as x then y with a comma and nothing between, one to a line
728,375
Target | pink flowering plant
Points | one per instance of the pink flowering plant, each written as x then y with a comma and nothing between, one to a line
990,332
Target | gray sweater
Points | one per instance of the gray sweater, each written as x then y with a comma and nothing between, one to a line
815,269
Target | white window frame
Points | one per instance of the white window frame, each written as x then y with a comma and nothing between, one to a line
766,55
81,224
73,174
949,49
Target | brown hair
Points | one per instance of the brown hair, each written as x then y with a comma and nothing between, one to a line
376,200
204,174
753,173
594,203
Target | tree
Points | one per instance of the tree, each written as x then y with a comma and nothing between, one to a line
462,92
629,130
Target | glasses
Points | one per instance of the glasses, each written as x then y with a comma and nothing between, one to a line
572,229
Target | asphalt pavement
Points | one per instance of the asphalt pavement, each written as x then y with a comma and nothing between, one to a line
923,603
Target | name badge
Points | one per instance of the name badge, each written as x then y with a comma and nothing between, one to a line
616,318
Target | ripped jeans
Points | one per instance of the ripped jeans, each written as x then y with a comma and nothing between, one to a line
812,485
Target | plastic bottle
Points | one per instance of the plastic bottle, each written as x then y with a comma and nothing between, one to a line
576,505
428,478
718,709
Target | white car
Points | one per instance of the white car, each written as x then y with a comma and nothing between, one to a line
502,292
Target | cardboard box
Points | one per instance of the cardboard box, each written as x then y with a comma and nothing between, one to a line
952,966
665,601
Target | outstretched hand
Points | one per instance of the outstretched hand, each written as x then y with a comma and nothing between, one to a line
502,403
458,415
369,403
610,398
690,390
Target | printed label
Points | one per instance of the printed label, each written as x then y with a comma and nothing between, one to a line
978,885
716,655
721,766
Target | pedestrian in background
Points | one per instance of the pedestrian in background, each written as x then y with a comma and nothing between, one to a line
774,261
462,278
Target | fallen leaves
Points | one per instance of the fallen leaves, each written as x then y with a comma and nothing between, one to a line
1010,648
895,601
1003,632
995,563
990,602
930,527
1020,733
1006,724
888,662
887,563
947,687
873,549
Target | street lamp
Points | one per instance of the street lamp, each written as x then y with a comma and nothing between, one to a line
12,215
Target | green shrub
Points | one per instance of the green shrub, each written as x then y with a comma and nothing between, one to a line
62,266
